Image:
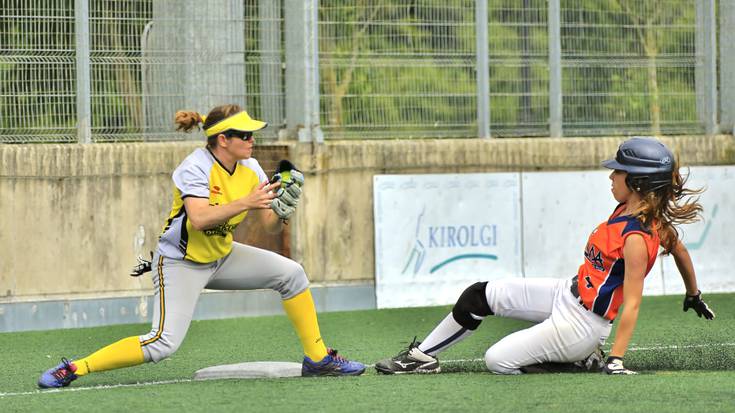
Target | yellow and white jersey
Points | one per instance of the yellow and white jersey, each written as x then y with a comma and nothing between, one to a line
201,175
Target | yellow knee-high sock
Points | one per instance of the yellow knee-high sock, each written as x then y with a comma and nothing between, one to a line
301,312
124,353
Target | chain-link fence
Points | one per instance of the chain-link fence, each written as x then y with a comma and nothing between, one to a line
37,72
629,68
146,60
386,68
391,68
519,67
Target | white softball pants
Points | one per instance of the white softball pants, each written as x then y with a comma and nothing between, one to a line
178,283
566,331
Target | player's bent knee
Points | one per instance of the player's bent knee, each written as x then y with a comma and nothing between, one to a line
472,307
293,282
161,349
498,365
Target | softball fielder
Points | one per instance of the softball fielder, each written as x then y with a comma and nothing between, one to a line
574,316
214,189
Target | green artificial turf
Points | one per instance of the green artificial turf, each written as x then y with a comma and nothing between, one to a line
686,363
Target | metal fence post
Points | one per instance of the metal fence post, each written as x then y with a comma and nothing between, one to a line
302,70
269,39
84,87
727,67
483,70
555,92
706,69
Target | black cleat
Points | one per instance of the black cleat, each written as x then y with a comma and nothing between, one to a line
408,361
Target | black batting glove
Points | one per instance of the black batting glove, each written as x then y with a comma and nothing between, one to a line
142,267
695,302
614,365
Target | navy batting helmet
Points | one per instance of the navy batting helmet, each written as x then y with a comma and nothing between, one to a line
648,162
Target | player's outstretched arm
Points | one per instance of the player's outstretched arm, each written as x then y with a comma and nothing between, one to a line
636,260
686,267
693,298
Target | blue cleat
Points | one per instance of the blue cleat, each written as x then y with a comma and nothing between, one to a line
331,365
59,376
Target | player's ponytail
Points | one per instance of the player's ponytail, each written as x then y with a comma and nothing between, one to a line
667,207
186,120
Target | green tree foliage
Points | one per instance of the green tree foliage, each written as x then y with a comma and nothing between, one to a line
632,65
391,66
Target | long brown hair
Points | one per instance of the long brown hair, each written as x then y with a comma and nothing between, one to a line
187,120
667,207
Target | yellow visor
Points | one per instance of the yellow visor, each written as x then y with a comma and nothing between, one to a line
239,122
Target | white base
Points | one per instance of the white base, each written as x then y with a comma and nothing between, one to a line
251,370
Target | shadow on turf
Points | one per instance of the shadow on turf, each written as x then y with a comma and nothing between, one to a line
712,358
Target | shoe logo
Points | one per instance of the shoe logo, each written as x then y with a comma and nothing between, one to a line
404,365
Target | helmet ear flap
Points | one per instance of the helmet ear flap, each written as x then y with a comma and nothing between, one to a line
632,183
648,183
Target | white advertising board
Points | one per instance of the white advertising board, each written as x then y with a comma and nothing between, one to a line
437,234
560,209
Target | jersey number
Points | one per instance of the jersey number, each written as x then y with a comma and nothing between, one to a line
589,282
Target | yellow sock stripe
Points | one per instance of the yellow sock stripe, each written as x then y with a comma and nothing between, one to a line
163,304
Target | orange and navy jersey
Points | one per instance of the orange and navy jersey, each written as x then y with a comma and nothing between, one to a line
201,175
600,278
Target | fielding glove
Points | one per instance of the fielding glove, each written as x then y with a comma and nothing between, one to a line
695,302
291,180
282,209
614,365
142,267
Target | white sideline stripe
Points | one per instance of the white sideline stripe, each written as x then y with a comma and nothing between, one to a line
101,387
157,383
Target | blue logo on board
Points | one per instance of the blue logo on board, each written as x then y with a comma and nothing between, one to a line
450,237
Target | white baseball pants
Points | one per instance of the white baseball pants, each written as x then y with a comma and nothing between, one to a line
566,331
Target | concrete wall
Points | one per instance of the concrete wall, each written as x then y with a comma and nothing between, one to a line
69,214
